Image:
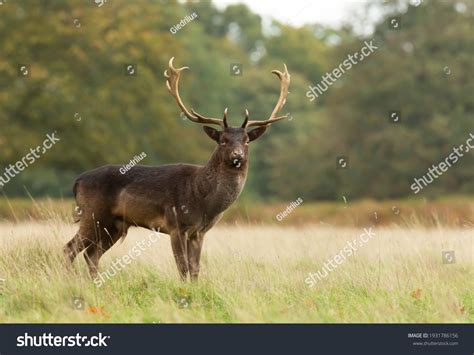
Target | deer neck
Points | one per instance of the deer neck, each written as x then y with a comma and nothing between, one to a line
220,184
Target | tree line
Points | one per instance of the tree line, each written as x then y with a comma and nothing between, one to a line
65,67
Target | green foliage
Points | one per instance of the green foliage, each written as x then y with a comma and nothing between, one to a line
408,73
78,72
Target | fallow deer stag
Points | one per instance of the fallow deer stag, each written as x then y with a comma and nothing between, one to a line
151,197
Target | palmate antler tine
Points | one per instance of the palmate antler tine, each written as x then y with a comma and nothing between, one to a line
172,76
224,121
284,86
266,122
246,119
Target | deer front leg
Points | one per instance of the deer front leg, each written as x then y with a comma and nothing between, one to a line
194,254
179,246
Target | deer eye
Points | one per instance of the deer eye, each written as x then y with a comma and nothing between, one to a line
223,143
247,142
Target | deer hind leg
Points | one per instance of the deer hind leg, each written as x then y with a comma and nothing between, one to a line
179,246
106,236
194,245
81,241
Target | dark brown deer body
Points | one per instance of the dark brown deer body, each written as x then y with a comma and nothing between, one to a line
181,200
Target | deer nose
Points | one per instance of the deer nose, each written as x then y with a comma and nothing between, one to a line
237,154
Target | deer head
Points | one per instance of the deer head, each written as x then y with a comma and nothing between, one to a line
232,141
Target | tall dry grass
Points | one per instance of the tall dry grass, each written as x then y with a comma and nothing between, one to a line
248,274
451,211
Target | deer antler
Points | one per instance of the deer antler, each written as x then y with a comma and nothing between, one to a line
284,86
172,81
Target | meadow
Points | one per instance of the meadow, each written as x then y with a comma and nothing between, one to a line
382,125
249,273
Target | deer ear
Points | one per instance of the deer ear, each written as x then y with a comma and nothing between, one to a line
257,132
213,133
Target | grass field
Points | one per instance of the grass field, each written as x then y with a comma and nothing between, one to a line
248,274
449,211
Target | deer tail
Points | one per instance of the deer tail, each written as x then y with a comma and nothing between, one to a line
78,212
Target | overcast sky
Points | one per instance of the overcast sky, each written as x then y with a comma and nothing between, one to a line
300,12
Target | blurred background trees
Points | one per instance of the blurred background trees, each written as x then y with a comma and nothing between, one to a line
77,85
